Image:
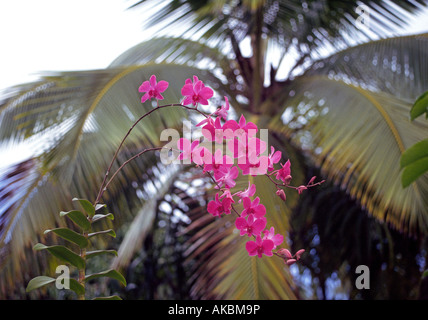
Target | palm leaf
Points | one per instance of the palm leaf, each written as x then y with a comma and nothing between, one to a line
357,137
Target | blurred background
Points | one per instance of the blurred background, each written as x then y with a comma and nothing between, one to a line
332,81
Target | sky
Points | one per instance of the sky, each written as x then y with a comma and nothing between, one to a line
50,35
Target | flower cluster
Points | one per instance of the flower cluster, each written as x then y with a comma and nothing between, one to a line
238,151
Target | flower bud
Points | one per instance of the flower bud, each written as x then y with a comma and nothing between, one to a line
299,253
280,193
287,180
289,262
284,253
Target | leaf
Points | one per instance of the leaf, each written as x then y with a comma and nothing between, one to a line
91,254
413,171
113,274
416,152
63,253
98,217
108,298
71,236
110,232
77,287
87,206
420,106
78,218
39,282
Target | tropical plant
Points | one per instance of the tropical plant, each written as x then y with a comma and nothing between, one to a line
330,96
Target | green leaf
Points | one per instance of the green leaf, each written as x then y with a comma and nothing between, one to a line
416,152
420,106
108,298
87,206
108,273
110,232
63,253
78,218
71,236
39,282
77,287
102,216
91,254
413,171
425,274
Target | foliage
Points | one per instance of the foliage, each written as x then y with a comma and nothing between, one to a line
414,160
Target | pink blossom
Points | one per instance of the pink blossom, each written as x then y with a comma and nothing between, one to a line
187,148
260,247
217,207
249,192
253,207
226,177
223,110
276,238
274,157
195,92
250,226
217,162
253,165
213,131
284,173
153,89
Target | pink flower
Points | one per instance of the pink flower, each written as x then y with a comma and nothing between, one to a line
253,207
274,157
276,238
260,247
195,92
187,148
250,226
249,192
217,207
152,89
226,178
213,131
284,173
223,110
217,162
249,128
253,165
299,253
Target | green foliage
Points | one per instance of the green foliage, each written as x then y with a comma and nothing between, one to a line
78,260
414,160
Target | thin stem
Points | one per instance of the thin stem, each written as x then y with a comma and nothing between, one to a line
103,186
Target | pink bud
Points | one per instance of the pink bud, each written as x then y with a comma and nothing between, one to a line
312,180
280,193
301,188
299,253
287,180
289,262
284,253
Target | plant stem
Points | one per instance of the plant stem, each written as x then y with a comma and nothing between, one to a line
103,186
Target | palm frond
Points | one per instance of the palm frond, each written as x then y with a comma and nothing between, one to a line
357,137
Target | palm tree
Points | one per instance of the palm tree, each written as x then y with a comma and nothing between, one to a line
335,97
